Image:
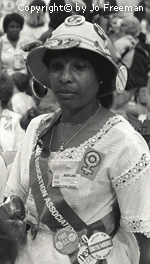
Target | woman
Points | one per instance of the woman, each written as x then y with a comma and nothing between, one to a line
81,166
11,53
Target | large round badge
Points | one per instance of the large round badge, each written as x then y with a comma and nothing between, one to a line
121,79
100,245
84,257
100,31
62,43
66,241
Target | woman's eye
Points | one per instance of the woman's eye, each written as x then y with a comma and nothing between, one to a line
80,67
55,66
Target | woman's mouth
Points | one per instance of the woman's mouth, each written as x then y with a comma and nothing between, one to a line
65,93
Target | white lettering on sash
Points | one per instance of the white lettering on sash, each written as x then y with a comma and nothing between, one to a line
52,209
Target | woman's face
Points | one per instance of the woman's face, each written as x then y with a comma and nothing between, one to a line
73,80
114,26
13,30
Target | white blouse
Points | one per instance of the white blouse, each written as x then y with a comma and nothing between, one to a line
123,175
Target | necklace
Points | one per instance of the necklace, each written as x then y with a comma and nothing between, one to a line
69,126
62,147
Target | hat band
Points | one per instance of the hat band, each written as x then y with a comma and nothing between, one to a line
65,41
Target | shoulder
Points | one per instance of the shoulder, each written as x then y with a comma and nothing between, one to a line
124,147
123,126
34,129
43,120
123,134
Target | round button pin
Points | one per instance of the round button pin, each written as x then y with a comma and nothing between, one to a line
121,79
74,20
66,241
62,43
100,31
100,245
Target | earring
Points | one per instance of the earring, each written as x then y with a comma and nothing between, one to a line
38,89
99,90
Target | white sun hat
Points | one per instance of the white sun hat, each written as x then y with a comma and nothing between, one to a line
75,32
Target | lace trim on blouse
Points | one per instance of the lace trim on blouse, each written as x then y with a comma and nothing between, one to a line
131,175
77,153
137,225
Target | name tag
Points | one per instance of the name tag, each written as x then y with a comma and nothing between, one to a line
90,163
66,180
18,62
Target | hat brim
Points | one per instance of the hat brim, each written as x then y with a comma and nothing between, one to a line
37,67
39,70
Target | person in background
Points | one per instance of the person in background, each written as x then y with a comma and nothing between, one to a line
135,55
113,32
113,29
82,171
35,23
127,38
21,101
6,7
11,43
140,107
143,14
11,133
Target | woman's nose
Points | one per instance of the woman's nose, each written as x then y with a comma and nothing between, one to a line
66,74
